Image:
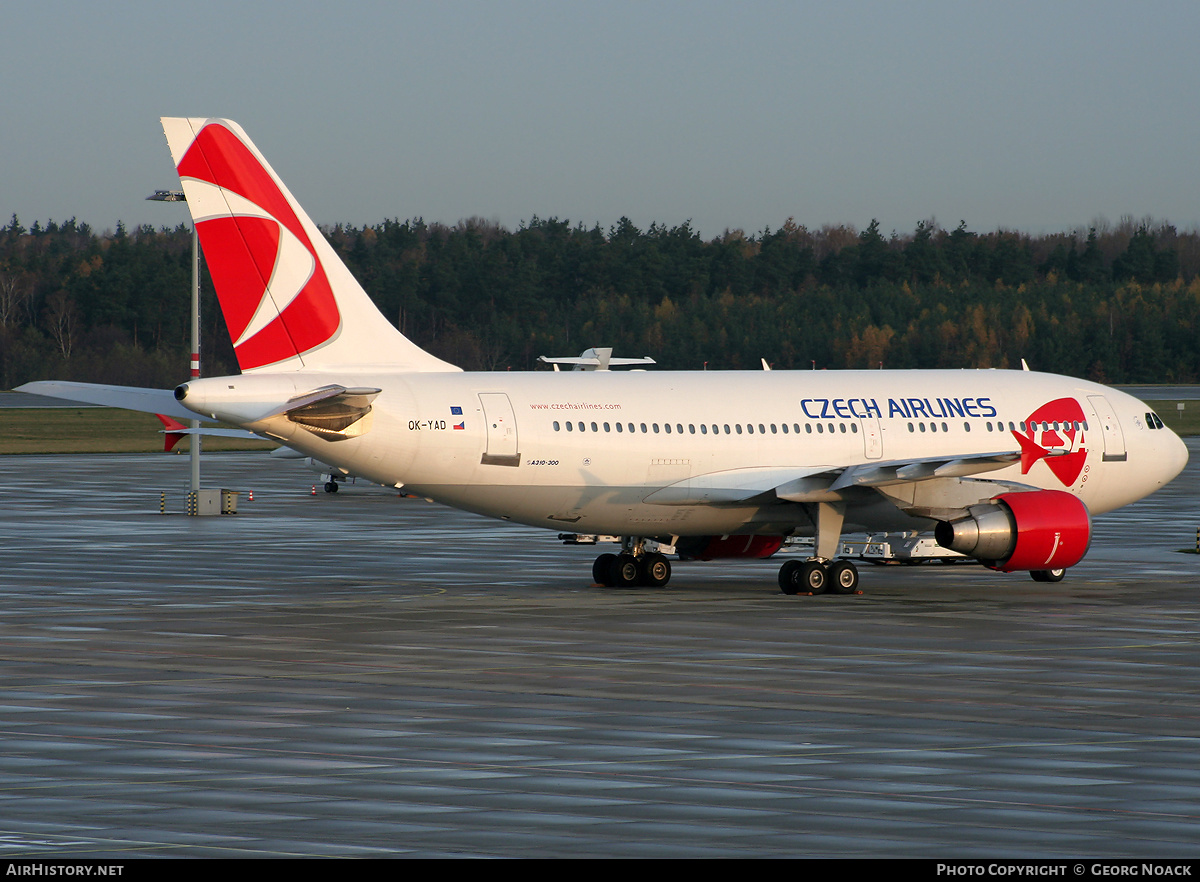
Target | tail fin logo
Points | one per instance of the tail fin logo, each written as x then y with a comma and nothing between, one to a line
273,289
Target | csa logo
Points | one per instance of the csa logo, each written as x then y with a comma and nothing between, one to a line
1052,426
274,293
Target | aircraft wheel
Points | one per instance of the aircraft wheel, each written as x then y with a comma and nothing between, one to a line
843,577
624,571
1047,575
331,487
656,570
813,577
602,569
789,575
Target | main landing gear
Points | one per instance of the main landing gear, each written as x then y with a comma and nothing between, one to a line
817,577
631,570
821,573
634,567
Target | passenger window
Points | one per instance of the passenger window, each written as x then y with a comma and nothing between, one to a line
594,428
556,426
703,429
739,428
808,428
643,428
667,426
910,427
854,428
569,429
679,428
750,428
654,426
773,432
842,426
945,428
582,427
966,426
692,428
727,428
762,430
820,429
607,428
619,428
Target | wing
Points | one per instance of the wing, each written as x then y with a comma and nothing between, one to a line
926,487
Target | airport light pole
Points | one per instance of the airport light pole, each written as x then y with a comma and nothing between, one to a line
194,438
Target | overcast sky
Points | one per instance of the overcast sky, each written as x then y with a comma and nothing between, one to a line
1030,116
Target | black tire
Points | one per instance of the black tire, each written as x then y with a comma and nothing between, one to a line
602,569
1048,575
624,571
843,577
789,577
813,578
656,570
331,487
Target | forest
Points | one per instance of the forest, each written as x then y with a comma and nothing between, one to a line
1116,303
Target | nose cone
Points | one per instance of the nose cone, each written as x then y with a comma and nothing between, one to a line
1174,456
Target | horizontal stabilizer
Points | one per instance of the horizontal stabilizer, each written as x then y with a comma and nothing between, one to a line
156,401
599,359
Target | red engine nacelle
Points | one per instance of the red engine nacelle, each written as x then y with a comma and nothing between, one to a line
710,547
1036,530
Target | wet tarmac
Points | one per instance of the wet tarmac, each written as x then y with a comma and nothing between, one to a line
361,674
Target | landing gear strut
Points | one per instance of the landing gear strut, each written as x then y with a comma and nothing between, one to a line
822,573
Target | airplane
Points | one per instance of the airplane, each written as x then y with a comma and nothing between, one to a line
1006,467
596,359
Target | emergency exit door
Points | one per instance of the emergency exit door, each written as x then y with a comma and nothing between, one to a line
501,430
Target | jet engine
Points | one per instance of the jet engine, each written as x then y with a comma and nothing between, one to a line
712,547
1034,530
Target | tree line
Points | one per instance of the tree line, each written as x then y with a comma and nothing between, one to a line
1114,303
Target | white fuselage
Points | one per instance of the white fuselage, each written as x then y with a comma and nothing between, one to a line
588,451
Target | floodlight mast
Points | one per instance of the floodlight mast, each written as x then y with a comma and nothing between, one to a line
194,437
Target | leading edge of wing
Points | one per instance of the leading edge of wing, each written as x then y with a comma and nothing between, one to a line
738,485
125,397
818,483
